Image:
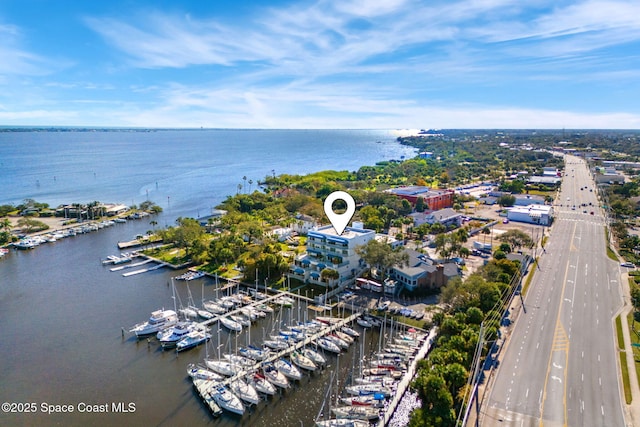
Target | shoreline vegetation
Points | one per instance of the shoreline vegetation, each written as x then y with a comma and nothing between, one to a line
246,242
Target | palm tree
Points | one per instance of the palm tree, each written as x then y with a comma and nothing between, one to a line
250,182
153,224
239,188
5,224
244,178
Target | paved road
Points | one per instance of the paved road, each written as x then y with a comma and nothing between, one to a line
559,367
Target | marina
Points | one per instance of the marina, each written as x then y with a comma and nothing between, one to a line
250,374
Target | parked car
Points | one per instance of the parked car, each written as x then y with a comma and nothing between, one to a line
628,264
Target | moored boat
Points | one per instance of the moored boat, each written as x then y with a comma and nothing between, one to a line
231,324
342,422
202,373
274,376
244,391
302,361
367,413
193,339
169,337
203,386
160,319
287,369
261,384
227,400
315,357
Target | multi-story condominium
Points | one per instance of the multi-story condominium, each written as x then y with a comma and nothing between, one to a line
328,250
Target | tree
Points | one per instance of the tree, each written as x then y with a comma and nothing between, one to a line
420,205
506,200
380,256
516,239
329,274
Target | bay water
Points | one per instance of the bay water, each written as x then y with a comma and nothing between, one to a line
62,312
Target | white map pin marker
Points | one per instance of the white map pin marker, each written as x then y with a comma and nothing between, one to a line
339,221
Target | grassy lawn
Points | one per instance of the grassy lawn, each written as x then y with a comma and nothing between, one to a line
168,254
612,255
635,339
623,361
529,278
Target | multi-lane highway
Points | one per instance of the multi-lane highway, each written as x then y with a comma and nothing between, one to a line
559,366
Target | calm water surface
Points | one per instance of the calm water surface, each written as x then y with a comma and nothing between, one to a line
61,311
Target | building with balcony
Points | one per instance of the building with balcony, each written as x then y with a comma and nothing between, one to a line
328,250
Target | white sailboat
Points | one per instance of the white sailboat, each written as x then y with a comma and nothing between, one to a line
227,400
202,373
246,392
274,376
261,384
230,324
203,387
302,361
287,369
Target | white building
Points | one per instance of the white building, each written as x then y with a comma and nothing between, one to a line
327,249
532,214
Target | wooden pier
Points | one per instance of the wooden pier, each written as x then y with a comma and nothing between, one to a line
404,383
297,346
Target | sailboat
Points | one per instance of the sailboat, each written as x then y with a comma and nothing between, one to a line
246,392
227,400
203,386
274,376
261,384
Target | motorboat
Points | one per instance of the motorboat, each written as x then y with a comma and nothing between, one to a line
222,367
203,386
287,369
302,361
246,392
367,413
231,324
160,319
315,357
261,384
193,339
227,400
169,337
202,373
274,376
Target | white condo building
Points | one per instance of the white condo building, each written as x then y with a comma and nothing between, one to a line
327,249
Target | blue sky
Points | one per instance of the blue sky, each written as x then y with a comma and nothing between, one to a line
321,64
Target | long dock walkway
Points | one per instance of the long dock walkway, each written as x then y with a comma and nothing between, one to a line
297,346
406,379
